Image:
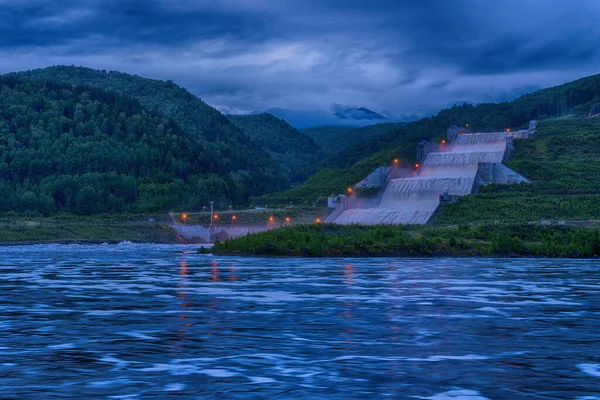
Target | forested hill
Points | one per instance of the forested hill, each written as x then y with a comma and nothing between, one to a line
578,99
234,153
562,160
334,139
289,147
85,150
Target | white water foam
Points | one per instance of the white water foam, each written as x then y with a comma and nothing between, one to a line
175,387
457,394
413,201
261,379
590,369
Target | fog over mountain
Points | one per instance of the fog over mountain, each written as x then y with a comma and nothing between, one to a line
344,116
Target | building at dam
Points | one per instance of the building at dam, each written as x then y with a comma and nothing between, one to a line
458,168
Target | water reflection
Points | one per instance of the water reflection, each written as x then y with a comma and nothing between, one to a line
287,328
348,273
214,272
232,272
183,295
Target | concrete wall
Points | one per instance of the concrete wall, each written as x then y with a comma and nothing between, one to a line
207,234
498,174
374,179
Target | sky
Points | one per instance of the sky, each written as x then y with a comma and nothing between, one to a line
391,56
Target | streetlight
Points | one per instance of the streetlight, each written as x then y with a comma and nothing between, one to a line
288,220
396,161
318,220
350,190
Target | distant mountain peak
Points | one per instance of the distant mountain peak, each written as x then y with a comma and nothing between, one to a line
361,113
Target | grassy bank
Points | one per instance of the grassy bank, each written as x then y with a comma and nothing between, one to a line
562,160
476,241
68,229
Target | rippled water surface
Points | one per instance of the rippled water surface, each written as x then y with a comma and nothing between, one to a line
145,321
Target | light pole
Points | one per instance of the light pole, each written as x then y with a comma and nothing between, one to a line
211,212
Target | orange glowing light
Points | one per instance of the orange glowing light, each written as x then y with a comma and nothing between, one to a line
396,161
216,216
350,190
443,141
288,220
318,220
467,125
184,216
417,165
234,217
271,219
507,129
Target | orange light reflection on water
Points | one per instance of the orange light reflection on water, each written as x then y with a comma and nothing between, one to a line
214,272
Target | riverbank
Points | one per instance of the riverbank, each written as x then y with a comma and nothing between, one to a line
138,228
523,240
89,230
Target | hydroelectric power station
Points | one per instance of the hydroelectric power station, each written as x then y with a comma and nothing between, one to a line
455,169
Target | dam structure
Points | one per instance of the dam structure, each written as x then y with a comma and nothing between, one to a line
455,169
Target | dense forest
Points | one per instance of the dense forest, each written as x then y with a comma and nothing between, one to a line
579,98
292,149
84,150
85,141
233,152
334,139
329,138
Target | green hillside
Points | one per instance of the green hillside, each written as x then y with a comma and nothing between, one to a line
563,162
346,146
334,139
84,150
329,138
232,151
289,147
577,98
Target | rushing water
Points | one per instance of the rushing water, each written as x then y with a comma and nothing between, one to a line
143,321
413,201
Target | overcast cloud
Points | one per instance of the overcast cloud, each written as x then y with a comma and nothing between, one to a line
245,55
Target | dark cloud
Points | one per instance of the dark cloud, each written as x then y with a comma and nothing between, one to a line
123,23
402,56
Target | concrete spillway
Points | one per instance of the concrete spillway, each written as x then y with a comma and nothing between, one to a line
413,201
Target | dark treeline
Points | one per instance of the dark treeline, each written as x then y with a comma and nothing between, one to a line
81,149
385,240
292,149
334,139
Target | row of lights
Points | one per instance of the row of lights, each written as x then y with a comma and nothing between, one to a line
417,165
287,220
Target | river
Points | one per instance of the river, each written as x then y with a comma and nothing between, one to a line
159,322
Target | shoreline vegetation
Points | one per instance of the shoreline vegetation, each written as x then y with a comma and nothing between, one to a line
328,240
66,229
